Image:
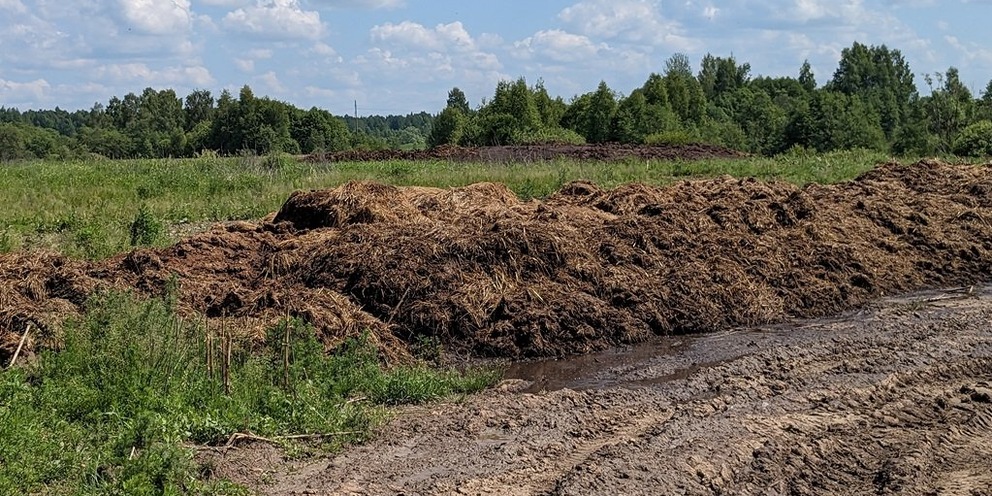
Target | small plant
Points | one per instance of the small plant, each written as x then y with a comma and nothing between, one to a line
145,228
427,348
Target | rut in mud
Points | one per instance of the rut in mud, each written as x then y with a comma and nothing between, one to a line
892,400
490,275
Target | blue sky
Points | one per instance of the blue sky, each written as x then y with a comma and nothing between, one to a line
399,56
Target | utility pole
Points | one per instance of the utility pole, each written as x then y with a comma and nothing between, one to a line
356,109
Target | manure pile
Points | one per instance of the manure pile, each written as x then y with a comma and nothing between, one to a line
491,275
535,153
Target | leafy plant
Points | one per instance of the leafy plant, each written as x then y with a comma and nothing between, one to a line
145,228
975,140
113,410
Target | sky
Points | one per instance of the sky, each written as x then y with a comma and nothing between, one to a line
401,56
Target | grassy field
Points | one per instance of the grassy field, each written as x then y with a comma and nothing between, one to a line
121,406
87,209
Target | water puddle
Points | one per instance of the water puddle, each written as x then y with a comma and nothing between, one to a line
595,370
668,359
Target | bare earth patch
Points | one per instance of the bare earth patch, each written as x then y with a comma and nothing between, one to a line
892,400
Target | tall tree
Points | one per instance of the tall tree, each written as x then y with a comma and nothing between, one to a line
685,94
806,77
448,128
881,78
948,108
198,107
719,76
457,99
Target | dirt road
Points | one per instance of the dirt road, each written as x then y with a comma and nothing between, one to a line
892,399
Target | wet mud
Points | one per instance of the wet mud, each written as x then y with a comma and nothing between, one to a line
893,399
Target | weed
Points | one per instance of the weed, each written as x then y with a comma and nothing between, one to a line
145,228
111,411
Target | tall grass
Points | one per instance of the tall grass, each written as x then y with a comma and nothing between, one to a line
89,208
114,409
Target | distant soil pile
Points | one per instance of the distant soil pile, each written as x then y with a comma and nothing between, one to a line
534,153
488,274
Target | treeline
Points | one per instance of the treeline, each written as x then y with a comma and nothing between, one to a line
158,123
870,102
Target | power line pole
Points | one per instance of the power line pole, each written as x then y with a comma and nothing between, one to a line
356,109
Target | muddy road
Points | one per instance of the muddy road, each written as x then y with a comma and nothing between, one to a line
893,399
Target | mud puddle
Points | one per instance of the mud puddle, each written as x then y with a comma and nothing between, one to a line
674,358
893,399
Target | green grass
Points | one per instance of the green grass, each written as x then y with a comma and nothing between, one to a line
115,410
89,209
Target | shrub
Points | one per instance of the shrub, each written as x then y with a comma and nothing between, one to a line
675,137
975,140
145,228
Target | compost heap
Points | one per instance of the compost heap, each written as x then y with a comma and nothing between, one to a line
535,153
586,268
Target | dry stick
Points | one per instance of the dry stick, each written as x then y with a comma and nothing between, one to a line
20,346
238,436
226,351
210,348
285,355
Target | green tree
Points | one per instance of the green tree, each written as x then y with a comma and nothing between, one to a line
948,108
635,119
685,94
12,142
719,76
881,78
198,107
591,115
984,106
806,77
510,115
456,99
838,121
550,109
762,121
975,140
449,127
317,130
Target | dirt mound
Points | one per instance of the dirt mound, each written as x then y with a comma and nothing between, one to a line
535,153
586,268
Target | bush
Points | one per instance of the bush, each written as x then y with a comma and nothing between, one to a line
555,136
145,228
676,137
975,140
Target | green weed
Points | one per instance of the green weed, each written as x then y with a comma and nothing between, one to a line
112,410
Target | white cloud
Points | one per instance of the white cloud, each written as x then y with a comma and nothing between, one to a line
558,46
136,72
245,65
366,4
13,5
13,91
270,81
276,19
435,53
637,21
407,34
157,16
970,52
324,50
